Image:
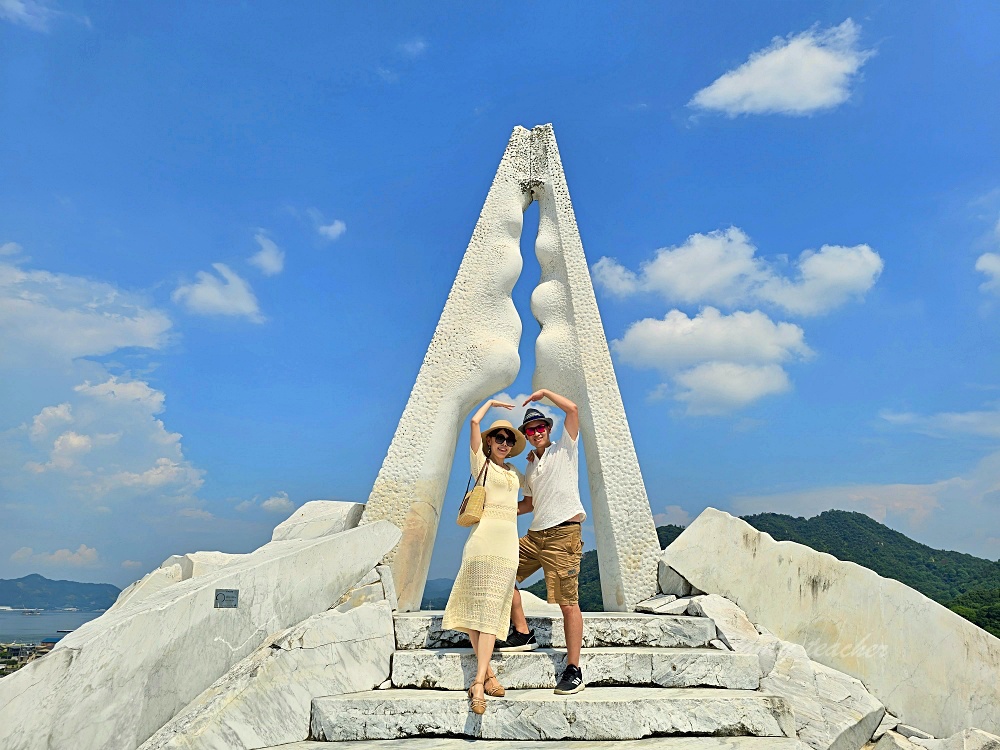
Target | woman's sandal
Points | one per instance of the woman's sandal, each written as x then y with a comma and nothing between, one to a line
497,690
478,705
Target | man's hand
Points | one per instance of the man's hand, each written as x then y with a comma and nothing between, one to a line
572,423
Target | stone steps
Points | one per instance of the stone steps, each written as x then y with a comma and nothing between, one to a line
597,713
651,743
422,630
454,669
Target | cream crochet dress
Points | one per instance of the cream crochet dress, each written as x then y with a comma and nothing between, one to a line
480,599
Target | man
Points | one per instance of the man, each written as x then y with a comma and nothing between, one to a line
553,542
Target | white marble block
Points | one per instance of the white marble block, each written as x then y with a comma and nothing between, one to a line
174,569
927,664
472,355
572,359
120,677
264,700
319,518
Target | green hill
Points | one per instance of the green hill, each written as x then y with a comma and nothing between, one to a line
968,585
37,592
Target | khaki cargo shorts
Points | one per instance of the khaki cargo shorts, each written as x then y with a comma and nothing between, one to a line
557,551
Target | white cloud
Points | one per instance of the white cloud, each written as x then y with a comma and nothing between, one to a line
246,505
83,556
716,388
984,423
799,75
333,230
722,268
9,248
56,316
30,13
115,450
138,392
225,294
197,513
278,503
678,341
414,47
270,259
673,514
717,363
989,264
49,417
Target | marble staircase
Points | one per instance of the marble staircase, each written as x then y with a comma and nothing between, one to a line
649,676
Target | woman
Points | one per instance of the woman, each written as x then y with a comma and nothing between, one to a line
479,603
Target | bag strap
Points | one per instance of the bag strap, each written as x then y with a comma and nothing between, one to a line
482,475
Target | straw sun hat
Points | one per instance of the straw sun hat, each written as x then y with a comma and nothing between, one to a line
503,424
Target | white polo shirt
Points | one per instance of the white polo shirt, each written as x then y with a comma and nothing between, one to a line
553,483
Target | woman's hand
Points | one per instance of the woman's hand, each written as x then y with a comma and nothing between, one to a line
475,436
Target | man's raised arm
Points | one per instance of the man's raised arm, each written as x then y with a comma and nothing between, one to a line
572,423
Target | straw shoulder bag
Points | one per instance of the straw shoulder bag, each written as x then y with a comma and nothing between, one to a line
471,511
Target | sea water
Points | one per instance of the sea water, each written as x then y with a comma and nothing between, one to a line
16,627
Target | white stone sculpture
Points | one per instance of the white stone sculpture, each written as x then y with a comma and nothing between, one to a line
264,700
122,676
929,666
473,354
319,518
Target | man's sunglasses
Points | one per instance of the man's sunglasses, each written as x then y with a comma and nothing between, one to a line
504,437
540,430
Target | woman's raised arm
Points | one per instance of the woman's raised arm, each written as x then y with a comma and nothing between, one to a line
475,435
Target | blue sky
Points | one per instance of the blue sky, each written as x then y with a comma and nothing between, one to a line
227,232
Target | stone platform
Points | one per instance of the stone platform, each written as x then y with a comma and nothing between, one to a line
651,743
597,713
422,630
454,668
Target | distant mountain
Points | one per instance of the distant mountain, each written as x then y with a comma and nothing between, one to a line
37,592
436,593
968,585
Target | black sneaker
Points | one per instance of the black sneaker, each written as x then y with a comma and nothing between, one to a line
570,682
517,641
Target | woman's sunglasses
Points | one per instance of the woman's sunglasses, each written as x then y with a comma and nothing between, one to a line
504,437
540,430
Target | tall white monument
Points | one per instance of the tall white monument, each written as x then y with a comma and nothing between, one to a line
473,355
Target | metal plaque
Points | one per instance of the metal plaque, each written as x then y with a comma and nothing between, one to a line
227,598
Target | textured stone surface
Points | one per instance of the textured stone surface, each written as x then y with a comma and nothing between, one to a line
454,669
888,722
120,677
652,743
928,665
596,713
572,358
423,630
265,699
472,355
669,581
174,569
538,607
910,731
319,518
894,741
969,739
655,604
